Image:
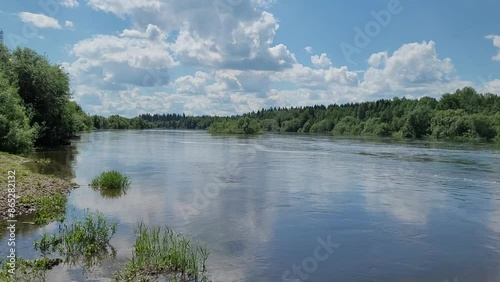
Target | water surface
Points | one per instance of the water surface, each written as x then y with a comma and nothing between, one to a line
394,211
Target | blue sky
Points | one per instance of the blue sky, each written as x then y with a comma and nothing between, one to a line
233,56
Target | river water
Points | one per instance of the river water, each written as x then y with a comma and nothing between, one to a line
296,207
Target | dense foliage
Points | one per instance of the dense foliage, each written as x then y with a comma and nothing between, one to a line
118,122
16,134
464,114
242,125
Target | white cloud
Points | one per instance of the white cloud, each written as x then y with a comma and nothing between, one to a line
192,85
496,43
235,64
412,67
135,57
39,20
69,3
492,86
230,91
321,61
69,24
152,33
377,59
240,38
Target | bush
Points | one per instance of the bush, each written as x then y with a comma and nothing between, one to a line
323,126
417,123
348,126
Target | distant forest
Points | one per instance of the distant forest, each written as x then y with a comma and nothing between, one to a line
464,114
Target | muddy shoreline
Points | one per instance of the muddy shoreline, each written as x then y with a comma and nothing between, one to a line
28,184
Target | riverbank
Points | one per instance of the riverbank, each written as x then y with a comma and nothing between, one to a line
33,190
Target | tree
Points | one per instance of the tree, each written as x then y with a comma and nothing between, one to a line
16,135
418,123
44,89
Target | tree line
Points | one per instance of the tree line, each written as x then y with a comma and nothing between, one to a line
464,114
36,110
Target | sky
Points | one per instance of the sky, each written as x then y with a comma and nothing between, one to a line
225,57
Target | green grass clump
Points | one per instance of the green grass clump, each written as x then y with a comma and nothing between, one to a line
48,209
162,252
86,240
87,237
111,180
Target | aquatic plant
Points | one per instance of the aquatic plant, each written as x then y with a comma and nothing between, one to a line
86,240
26,270
159,252
111,180
48,209
88,237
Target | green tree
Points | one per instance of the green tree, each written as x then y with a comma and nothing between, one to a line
449,124
44,89
16,135
418,123
348,126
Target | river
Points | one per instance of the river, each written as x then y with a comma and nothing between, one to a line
296,207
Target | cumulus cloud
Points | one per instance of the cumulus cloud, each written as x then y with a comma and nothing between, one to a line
134,57
39,20
496,43
238,37
192,85
492,86
234,63
69,3
307,77
414,65
321,61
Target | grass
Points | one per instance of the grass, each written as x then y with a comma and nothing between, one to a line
48,209
36,191
158,253
86,240
111,180
27,270
162,252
